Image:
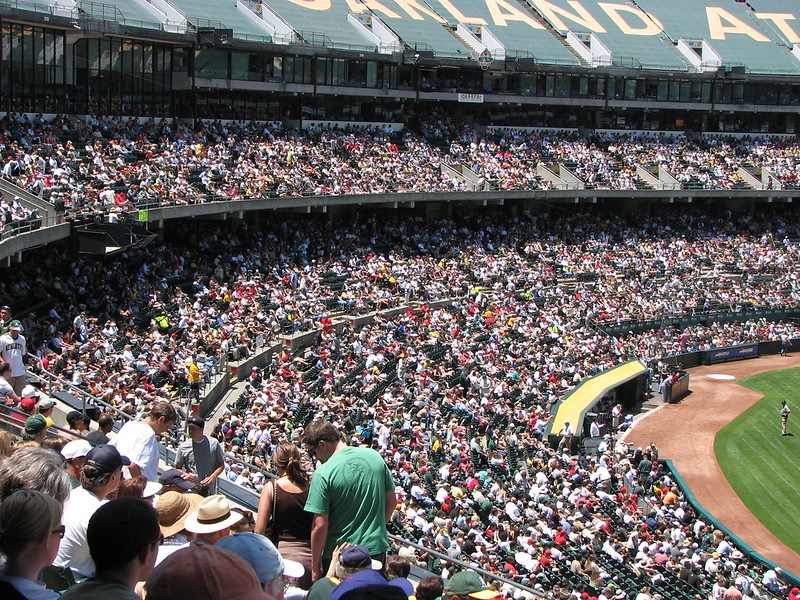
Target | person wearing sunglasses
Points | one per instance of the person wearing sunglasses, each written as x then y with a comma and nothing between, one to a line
123,537
30,532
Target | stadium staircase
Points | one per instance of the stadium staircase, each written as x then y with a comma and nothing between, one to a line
454,32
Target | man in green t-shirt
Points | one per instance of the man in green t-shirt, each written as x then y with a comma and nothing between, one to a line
351,495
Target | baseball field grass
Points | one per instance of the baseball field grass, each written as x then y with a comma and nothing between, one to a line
761,465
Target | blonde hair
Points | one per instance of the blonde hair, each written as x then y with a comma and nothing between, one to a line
27,517
7,441
286,459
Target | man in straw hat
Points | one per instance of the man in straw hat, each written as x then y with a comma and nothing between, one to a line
173,508
212,520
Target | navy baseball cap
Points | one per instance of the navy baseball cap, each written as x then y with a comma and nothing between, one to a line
106,458
175,478
357,557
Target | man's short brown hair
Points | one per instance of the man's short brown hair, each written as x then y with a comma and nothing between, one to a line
319,430
163,409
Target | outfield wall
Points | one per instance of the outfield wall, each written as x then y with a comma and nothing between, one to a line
717,355
706,516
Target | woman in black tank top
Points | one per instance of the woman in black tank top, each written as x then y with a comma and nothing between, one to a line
280,510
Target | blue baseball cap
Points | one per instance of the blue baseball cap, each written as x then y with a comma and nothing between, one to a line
404,584
357,580
262,555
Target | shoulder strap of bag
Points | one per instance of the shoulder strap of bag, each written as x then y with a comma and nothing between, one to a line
274,531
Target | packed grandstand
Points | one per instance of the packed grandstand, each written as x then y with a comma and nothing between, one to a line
500,322
430,237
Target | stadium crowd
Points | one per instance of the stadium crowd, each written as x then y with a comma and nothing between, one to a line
112,165
499,318
123,330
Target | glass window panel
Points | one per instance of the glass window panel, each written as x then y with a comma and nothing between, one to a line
27,45
357,73
390,76
705,94
723,93
105,55
339,76
93,56
562,86
785,94
323,73
5,43
674,91
288,69
613,88
255,66
211,63
737,93
630,89
686,89
38,46
663,91
600,91
127,62
48,56
240,66
115,54
583,86
17,35
550,86
695,94
59,50
147,59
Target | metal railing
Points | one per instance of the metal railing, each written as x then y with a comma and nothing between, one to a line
88,401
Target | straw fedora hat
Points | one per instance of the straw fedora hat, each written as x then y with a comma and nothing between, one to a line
213,514
173,508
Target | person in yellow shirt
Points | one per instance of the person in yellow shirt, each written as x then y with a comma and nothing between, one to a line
194,379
